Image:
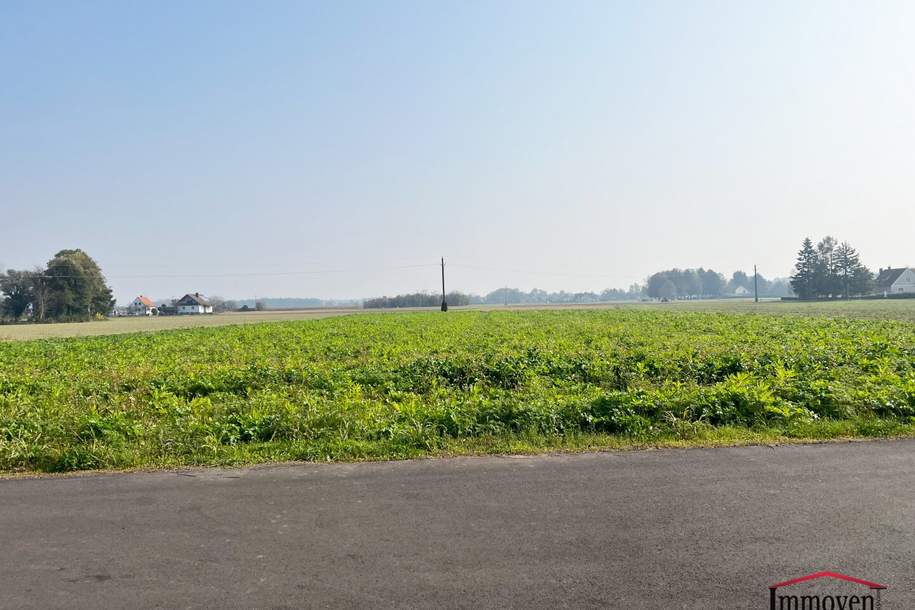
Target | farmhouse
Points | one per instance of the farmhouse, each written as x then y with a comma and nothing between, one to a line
896,281
193,304
142,306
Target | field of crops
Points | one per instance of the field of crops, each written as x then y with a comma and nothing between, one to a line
897,309
381,386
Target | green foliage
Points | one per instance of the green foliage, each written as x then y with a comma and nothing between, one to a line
71,288
405,385
830,270
417,299
77,288
18,288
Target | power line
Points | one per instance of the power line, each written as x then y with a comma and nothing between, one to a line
247,274
530,272
310,272
345,270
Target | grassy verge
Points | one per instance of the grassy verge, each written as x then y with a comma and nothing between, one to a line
337,450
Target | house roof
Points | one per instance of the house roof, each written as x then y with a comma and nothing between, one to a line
836,575
146,301
195,298
888,277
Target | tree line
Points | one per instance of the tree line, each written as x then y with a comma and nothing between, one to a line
417,299
70,288
707,283
514,296
504,296
830,270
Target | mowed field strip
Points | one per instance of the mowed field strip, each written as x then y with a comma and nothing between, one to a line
119,326
382,385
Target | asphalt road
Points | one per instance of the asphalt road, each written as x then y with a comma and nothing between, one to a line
704,528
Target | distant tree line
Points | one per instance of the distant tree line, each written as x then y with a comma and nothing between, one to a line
296,303
707,283
71,287
504,296
830,270
417,299
513,296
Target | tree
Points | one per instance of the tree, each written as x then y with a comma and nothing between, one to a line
851,276
654,283
686,283
689,283
76,287
862,282
846,264
417,299
505,296
827,279
667,290
40,294
712,282
804,280
17,286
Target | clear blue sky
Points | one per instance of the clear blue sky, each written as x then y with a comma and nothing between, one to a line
576,145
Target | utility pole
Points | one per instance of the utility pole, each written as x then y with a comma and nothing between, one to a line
444,303
755,285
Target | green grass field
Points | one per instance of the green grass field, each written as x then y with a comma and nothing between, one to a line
379,386
879,309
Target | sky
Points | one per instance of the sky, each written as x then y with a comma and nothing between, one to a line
339,149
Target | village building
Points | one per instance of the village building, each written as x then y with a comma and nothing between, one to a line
142,306
193,304
896,281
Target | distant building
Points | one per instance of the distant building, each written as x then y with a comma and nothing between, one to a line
193,304
142,306
896,281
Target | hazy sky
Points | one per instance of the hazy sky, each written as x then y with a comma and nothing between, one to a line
559,145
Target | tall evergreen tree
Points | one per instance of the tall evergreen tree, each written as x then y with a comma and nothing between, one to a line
862,281
847,263
827,279
804,280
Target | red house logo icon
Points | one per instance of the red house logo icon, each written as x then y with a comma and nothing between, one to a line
786,601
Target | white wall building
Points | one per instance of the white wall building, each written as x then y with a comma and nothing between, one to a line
142,306
896,281
193,304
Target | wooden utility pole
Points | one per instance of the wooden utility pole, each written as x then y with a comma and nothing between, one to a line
755,285
444,303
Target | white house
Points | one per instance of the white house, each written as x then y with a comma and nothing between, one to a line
896,281
142,306
193,304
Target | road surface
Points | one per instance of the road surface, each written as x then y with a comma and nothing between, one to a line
701,528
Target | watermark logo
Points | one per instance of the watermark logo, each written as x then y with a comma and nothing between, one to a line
782,598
